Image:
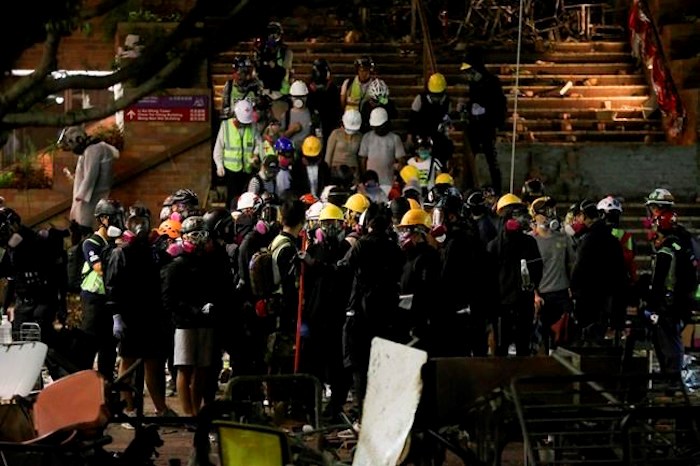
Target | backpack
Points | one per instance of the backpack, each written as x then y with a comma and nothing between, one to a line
265,276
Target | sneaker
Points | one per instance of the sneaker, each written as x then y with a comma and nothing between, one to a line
167,413
128,425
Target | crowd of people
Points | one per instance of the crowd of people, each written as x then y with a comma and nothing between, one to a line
286,284
335,231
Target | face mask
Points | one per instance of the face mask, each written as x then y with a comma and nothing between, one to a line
14,240
405,241
113,232
261,227
350,131
319,235
176,217
512,225
174,249
188,247
128,236
424,154
285,162
298,103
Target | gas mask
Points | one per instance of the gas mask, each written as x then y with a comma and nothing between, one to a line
574,228
350,132
405,238
284,161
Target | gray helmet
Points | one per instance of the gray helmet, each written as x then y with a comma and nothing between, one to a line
72,137
193,224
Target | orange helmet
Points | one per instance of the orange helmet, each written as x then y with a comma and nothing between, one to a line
171,228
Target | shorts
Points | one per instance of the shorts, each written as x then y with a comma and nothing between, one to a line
194,347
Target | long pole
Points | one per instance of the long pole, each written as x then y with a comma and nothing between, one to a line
517,95
300,306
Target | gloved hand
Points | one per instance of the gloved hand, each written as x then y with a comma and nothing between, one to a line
220,172
206,309
118,326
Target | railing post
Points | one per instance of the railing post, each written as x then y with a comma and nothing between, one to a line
414,6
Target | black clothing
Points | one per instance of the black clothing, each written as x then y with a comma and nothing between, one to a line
300,178
326,102
598,281
428,122
420,278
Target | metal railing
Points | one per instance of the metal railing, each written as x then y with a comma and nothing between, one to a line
418,14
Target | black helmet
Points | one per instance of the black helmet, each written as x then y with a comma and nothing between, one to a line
532,189
9,221
320,71
589,208
365,62
274,32
242,63
108,208
424,141
185,196
399,206
219,224
193,224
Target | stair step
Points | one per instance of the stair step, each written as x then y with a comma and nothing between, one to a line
592,103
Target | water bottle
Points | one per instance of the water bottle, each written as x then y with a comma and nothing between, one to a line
5,331
525,275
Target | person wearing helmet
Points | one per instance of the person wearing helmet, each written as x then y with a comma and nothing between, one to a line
518,269
355,206
323,98
273,61
658,200
265,181
237,150
376,263
599,277
243,84
132,281
421,272
398,208
482,216
343,148
97,320
430,118
183,203
31,265
93,173
369,186
381,149
671,294
553,301
194,288
611,209
485,112
377,96
353,91
285,152
300,121
427,165
310,173
327,291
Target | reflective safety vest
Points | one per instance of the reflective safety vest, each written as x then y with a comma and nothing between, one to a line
354,95
93,282
238,149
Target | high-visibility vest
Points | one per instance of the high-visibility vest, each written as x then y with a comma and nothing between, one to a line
238,149
354,95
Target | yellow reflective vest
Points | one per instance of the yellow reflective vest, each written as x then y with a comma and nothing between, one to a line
238,148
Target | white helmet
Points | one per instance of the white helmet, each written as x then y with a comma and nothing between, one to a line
314,211
298,89
72,137
248,201
378,117
660,196
352,120
244,111
609,204
378,90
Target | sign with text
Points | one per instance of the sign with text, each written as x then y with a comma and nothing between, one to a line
175,108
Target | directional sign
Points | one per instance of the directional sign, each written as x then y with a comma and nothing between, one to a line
175,108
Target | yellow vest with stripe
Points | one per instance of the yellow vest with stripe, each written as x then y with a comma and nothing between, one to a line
238,149
354,95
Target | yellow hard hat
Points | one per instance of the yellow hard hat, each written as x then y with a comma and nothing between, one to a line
357,203
408,173
507,200
311,146
444,178
413,204
437,83
330,212
415,218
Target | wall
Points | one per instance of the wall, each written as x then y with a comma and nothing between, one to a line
628,170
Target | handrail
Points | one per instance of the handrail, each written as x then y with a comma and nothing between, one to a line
429,61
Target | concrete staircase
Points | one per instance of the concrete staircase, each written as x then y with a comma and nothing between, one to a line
607,103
